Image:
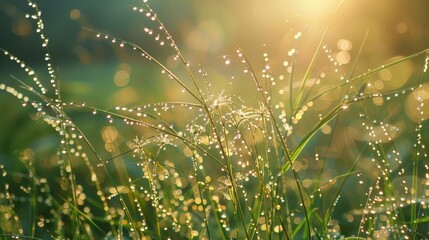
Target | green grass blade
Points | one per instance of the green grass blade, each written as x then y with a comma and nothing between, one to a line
365,75
303,142
345,177
314,58
82,214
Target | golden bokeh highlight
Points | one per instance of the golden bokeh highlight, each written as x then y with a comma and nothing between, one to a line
122,76
75,14
397,75
378,101
208,36
401,28
326,129
343,57
385,74
124,96
344,44
414,101
109,134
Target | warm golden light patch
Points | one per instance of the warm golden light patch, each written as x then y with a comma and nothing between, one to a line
122,76
401,28
343,57
385,74
207,37
22,27
414,102
326,129
75,14
344,45
398,75
124,96
378,101
378,84
109,134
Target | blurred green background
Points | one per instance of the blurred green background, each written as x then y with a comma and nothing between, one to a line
100,74
95,72
206,30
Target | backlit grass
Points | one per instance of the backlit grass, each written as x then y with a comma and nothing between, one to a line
269,150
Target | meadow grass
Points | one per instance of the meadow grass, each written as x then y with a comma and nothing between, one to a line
263,162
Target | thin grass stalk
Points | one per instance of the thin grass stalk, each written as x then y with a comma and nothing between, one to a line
280,136
120,230
418,151
206,107
145,124
11,236
291,80
258,204
76,223
304,141
350,172
54,104
60,111
414,184
178,52
314,58
106,171
83,215
288,220
230,171
33,204
54,81
367,74
171,132
153,191
205,210
359,53
158,63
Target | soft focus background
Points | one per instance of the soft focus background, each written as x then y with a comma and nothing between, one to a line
100,74
206,31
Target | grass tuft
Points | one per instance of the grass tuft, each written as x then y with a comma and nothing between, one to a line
333,160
